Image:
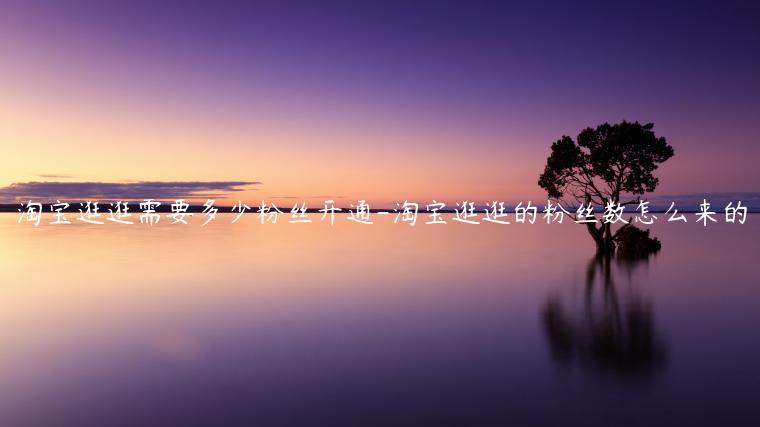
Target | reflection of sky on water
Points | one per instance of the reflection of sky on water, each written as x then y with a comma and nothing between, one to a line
381,324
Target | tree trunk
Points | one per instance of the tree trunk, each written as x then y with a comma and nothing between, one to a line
609,244
602,237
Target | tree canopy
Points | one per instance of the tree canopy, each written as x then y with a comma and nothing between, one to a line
603,165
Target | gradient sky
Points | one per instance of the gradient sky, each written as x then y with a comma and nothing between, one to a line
385,101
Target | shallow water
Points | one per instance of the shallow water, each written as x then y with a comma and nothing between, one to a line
386,324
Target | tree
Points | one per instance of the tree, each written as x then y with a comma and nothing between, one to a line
602,166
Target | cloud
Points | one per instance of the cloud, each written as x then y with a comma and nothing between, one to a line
120,190
56,176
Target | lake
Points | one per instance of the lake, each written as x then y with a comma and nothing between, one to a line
383,324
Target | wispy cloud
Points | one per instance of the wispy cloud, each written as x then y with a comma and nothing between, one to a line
56,176
49,190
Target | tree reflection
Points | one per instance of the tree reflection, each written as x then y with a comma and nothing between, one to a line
610,333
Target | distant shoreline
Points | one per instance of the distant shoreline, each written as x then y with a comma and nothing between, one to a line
166,208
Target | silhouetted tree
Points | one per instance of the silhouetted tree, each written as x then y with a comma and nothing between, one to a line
604,165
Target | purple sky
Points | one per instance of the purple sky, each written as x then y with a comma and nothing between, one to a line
499,78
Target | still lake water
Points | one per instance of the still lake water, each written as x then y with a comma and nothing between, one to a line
304,324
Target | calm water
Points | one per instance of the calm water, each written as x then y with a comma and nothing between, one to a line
304,324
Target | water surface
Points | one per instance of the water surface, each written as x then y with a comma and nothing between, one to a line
307,324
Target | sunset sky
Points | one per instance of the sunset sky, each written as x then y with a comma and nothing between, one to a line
382,102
